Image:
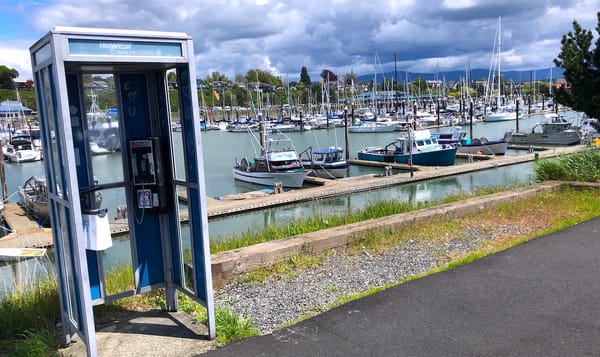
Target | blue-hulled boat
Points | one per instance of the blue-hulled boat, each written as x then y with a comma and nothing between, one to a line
425,150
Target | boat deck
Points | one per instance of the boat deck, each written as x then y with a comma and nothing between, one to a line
27,234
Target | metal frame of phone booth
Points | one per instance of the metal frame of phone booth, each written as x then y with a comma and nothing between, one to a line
139,61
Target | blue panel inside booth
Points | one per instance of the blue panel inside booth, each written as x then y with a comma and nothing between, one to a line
146,226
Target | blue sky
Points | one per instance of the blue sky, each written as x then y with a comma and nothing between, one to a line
233,36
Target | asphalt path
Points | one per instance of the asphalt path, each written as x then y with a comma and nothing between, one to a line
541,298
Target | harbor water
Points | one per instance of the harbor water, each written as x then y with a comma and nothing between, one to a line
221,148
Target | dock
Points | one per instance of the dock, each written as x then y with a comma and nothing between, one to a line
27,234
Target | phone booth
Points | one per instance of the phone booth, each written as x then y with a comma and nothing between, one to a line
108,102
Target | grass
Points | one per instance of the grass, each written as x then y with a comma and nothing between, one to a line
28,318
582,166
316,223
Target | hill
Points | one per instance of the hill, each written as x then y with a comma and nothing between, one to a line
546,74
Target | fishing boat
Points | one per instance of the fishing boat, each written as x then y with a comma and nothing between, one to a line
277,163
33,197
418,147
556,130
21,149
326,163
483,146
476,146
452,137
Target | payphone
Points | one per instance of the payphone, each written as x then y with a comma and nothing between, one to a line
147,174
166,251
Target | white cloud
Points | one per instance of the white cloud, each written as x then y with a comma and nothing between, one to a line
17,58
341,35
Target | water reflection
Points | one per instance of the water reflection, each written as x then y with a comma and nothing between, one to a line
416,192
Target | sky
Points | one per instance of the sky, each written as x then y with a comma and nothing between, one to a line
343,36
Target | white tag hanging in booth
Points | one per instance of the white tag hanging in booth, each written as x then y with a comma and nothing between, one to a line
97,230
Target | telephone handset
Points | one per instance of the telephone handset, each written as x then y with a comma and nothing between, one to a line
147,175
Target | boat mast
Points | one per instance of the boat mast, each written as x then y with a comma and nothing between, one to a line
499,60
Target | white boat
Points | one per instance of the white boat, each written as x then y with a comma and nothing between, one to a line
372,127
12,254
21,149
326,163
555,131
277,163
96,149
501,113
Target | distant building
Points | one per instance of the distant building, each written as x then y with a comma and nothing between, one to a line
13,109
99,85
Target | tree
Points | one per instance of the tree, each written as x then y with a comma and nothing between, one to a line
581,70
305,78
328,76
7,77
350,78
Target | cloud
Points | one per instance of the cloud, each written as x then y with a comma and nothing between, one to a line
235,36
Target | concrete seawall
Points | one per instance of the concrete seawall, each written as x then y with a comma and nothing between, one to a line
230,264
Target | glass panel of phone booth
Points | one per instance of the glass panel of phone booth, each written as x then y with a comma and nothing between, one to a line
67,261
55,181
185,240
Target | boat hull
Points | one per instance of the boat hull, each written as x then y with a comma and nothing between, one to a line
373,128
567,138
497,147
328,172
293,179
442,157
23,156
500,117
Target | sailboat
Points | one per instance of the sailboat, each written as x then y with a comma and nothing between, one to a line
501,113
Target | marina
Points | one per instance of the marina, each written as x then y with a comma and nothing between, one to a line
26,233
235,207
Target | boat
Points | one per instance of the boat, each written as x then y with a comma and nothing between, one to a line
452,137
372,127
475,146
418,147
556,130
33,197
20,149
96,149
277,163
326,163
501,112
483,146
12,254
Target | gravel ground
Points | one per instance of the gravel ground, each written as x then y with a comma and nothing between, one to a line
278,300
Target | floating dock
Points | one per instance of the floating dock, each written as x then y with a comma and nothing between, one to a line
25,233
